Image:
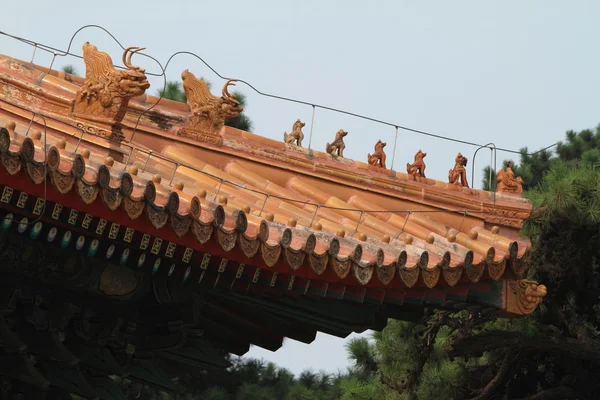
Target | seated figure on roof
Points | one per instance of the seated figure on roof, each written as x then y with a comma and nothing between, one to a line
508,182
458,175
378,157
336,148
296,135
417,168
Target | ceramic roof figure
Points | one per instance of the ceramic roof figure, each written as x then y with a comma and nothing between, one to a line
336,148
378,157
417,168
106,91
508,182
296,136
458,175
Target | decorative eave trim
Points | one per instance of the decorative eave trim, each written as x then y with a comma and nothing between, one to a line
204,219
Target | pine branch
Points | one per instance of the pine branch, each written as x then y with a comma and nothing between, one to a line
500,378
557,393
493,340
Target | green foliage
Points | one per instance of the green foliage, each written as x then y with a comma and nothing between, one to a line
578,145
215,393
300,392
354,388
69,69
172,91
253,391
362,353
444,379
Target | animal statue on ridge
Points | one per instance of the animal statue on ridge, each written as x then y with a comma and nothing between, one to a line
296,135
378,157
338,144
417,168
458,175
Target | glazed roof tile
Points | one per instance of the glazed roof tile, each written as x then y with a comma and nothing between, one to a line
375,247
315,215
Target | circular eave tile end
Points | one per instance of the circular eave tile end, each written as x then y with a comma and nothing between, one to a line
126,184
334,247
173,203
469,259
402,259
219,216
103,176
53,158
79,168
380,257
424,260
150,192
358,252
446,260
195,207
286,238
241,221
263,231
490,255
4,140
27,150
311,243
513,250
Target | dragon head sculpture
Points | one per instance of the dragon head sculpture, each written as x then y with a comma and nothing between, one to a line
133,80
106,91
208,112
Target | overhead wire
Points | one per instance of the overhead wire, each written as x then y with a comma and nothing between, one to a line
274,96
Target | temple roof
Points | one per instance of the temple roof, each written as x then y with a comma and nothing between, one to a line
277,203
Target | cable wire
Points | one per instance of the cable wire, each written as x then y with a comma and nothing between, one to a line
62,53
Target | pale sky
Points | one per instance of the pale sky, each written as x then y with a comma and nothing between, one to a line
517,73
